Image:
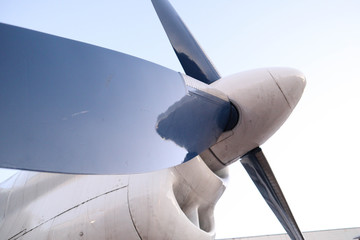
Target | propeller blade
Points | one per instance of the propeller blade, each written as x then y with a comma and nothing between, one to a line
71,107
260,172
192,58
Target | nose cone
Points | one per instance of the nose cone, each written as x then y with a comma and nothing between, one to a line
291,83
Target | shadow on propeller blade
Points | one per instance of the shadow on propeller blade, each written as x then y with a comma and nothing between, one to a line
194,122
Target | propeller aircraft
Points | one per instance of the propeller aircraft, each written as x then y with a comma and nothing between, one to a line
160,141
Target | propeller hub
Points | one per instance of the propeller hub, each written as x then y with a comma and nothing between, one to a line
264,99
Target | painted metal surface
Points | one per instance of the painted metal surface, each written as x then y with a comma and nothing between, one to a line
265,98
58,206
192,58
175,203
76,108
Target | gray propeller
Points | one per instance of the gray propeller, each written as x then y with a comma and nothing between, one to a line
196,64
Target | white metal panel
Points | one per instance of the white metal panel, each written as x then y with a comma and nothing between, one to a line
38,198
177,203
263,103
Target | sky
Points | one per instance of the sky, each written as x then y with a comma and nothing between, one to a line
314,154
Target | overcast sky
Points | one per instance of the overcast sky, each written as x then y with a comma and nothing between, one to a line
314,154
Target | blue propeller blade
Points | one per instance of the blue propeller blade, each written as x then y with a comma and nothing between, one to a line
192,58
258,168
71,107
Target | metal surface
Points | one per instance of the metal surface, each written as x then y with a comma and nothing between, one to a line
260,172
71,107
174,203
192,58
262,97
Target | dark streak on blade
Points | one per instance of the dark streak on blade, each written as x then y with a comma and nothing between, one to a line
260,172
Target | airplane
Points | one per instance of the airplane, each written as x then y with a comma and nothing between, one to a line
78,109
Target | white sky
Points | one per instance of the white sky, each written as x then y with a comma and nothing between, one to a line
314,154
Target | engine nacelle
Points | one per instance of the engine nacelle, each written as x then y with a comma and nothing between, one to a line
264,99
174,203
